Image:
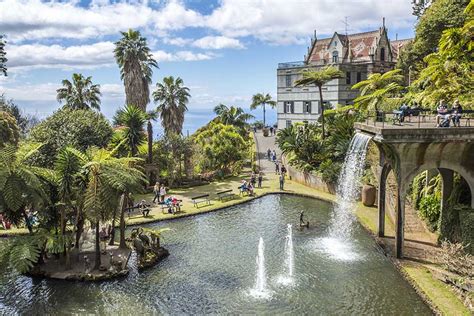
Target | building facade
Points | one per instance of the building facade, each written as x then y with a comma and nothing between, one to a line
356,55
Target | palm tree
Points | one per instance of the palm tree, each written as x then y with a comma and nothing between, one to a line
172,97
80,93
3,58
131,121
377,88
108,177
319,78
260,99
232,115
135,61
21,184
150,116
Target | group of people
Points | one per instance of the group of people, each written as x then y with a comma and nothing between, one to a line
271,155
160,193
249,186
445,115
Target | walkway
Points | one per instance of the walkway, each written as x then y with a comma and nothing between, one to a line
263,144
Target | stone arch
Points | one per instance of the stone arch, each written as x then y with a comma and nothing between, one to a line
443,165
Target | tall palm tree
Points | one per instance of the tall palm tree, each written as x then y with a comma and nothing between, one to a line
172,98
21,184
232,115
135,61
260,99
150,116
131,121
319,78
3,58
80,93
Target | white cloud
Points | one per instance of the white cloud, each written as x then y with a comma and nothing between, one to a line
218,42
34,19
282,22
177,41
57,56
162,56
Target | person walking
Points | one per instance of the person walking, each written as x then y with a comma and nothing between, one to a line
283,169
253,179
156,192
274,155
277,168
260,179
271,130
162,193
269,154
282,181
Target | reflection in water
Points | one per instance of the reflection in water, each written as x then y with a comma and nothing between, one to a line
212,267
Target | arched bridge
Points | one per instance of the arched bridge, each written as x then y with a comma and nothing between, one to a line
409,150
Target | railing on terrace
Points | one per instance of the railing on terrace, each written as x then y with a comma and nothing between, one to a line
291,64
414,118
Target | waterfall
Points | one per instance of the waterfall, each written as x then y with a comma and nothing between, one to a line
348,188
289,252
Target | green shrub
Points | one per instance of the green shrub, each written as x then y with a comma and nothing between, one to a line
329,171
429,210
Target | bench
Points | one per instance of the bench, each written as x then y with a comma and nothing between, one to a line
176,207
201,199
225,194
144,210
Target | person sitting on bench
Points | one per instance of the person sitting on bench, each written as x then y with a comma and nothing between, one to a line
250,188
143,207
243,187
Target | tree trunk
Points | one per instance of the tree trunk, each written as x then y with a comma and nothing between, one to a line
80,227
322,109
123,206
264,115
112,233
150,141
97,246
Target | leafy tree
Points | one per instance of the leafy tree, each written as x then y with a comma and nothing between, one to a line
377,89
319,78
9,131
130,121
108,177
136,62
262,100
222,147
232,116
24,122
449,72
419,7
439,16
80,129
80,94
172,98
21,184
3,58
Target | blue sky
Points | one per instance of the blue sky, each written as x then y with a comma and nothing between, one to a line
225,50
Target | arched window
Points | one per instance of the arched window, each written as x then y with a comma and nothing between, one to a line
382,54
335,56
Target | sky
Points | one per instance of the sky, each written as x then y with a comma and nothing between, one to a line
224,50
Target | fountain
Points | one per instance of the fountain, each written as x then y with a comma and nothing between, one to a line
260,289
287,277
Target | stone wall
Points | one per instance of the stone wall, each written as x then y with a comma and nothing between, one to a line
308,179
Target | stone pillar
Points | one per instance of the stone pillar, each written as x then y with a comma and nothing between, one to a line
447,177
381,202
399,224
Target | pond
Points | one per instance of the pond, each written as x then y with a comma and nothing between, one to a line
212,270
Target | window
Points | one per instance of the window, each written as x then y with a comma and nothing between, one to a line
335,56
359,76
327,105
305,122
288,123
288,107
382,54
348,77
335,43
307,107
288,80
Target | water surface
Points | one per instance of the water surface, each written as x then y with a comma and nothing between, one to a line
212,270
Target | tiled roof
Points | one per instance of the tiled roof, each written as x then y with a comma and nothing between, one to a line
398,45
